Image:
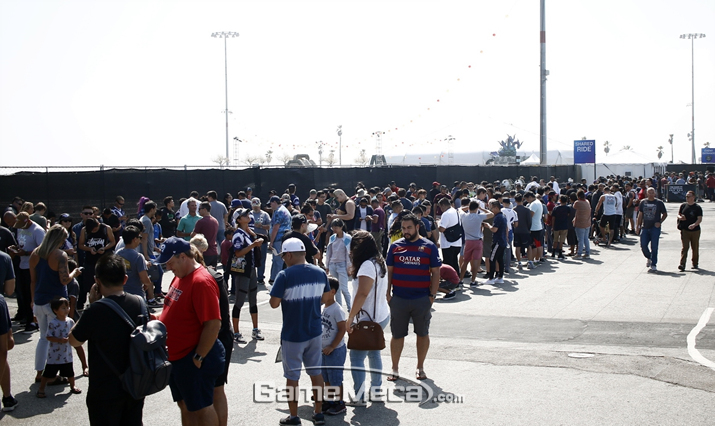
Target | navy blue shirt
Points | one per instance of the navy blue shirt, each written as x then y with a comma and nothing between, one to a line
500,236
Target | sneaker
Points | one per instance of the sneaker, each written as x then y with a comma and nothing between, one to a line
327,405
586,256
578,256
542,260
467,274
491,281
693,267
647,263
238,337
153,303
9,403
681,267
356,403
338,407
561,257
318,418
290,420
450,296
31,328
270,282
530,265
256,334
653,268
520,266
499,281
261,282
475,284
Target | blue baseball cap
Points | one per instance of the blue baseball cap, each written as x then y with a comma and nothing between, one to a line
236,203
274,199
171,247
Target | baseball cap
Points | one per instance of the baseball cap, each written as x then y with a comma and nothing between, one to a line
171,247
274,199
248,188
236,203
255,201
292,245
435,183
242,212
65,217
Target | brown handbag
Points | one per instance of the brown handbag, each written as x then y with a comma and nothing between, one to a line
367,335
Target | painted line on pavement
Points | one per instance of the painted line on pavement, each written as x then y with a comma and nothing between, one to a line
694,353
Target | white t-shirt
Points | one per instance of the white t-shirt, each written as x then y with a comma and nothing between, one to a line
363,223
449,218
330,318
609,204
378,312
556,187
538,210
619,203
510,216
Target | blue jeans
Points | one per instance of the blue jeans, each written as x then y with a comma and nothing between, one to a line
277,262
650,235
339,270
357,362
584,246
264,256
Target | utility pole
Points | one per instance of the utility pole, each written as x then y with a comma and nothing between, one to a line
691,135
224,35
670,141
543,73
340,145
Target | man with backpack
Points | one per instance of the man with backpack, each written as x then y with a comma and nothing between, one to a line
107,401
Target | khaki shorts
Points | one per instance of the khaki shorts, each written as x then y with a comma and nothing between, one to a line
560,236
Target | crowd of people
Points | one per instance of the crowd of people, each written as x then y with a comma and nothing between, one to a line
384,254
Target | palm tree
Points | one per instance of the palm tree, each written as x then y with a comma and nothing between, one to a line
606,147
660,151
626,148
706,144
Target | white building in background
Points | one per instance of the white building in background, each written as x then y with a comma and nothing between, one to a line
471,158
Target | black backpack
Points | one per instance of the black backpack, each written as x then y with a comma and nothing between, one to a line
149,367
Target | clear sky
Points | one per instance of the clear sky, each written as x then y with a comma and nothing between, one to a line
141,83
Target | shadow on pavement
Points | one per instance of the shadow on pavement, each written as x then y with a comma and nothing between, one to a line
243,354
30,406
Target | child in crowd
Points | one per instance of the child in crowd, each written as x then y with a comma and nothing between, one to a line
73,293
334,322
337,257
59,356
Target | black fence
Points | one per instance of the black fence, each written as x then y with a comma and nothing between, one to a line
687,168
65,191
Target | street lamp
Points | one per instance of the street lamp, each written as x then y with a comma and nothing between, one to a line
692,38
224,35
670,141
340,144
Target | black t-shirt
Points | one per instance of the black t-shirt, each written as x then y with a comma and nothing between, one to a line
324,211
167,222
103,328
112,221
523,216
7,239
561,215
310,249
691,214
224,334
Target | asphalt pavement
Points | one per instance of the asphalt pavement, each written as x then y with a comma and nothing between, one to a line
573,342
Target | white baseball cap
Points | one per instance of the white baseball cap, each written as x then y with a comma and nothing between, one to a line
292,245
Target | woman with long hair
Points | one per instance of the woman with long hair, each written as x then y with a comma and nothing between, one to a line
49,277
140,206
369,302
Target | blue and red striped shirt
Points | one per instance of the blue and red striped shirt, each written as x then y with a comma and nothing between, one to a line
411,263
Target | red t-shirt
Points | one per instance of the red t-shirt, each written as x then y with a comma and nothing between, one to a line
208,226
225,250
550,208
191,302
447,273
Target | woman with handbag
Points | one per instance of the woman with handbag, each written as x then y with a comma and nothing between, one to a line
369,315
243,262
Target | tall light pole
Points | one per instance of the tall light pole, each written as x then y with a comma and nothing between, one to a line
340,144
692,38
672,157
224,35
543,73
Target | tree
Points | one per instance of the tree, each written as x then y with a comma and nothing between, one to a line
220,160
706,144
606,147
626,148
250,160
269,156
331,158
660,151
362,158
285,158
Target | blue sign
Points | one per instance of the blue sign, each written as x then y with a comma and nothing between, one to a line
708,155
584,152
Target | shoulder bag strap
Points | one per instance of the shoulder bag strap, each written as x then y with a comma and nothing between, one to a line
124,316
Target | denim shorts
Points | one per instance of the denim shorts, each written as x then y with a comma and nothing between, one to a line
195,386
297,355
335,363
